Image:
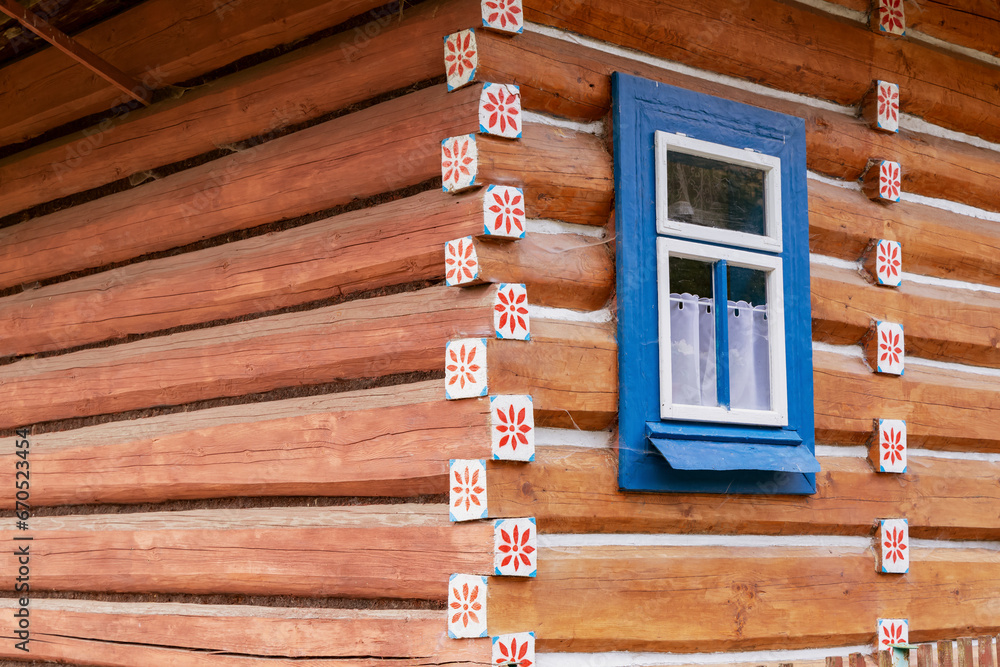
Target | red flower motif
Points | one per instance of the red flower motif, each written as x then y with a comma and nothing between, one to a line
511,311
893,634
502,107
505,11
462,367
455,160
459,261
508,210
888,102
517,549
893,446
889,186
460,52
888,256
511,656
891,15
894,545
467,489
889,348
512,427
466,605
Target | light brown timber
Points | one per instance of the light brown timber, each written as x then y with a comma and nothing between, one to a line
160,43
942,323
324,77
680,599
575,490
377,551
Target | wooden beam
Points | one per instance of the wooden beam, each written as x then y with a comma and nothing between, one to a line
385,147
57,38
681,599
324,77
128,634
935,242
160,42
379,551
362,443
940,323
575,490
943,409
743,42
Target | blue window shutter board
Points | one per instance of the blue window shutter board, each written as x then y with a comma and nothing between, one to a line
640,107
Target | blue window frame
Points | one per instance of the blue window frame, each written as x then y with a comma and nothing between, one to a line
717,446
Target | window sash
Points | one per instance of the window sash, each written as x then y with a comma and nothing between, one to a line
770,165
778,414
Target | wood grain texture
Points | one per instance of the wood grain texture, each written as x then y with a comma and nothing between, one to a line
560,270
129,634
940,323
365,338
332,74
394,551
575,490
573,80
934,242
680,599
943,408
394,243
158,43
353,444
777,44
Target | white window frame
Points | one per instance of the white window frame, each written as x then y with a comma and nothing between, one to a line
778,414
770,165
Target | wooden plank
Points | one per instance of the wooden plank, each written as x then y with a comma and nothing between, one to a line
160,43
934,242
682,599
394,551
364,443
383,148
129,634
575,490
768,42
985,647
395,243
839,145
57,38
402,333
945,655
965,652
943,409
324,77
560,270
940,322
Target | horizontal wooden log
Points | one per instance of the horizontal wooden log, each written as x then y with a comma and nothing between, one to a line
128,634
940,323
943,408
560,270
935,242
396,144
158,43
682,599
324,77
575,490
776,44
394,551
578,85
363,443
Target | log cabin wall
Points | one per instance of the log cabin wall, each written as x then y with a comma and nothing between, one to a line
240,350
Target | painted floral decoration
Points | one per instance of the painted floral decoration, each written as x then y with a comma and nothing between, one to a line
889,181
511,308
889,348
508,209
512,654
892,633
466,605
892,446
894,543
467,488
889,260
516,548
502,109
891,15
456,158
460,261
513,427
460,49
462,366
888,101
503,13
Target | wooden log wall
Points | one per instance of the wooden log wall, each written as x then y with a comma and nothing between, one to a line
252,337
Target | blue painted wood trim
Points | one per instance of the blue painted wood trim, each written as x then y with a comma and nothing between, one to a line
709,455
639,108
721,305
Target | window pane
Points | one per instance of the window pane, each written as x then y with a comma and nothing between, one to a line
692,332
749,353
713,193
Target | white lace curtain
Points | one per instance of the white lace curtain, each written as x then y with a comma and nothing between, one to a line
692,345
